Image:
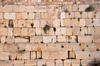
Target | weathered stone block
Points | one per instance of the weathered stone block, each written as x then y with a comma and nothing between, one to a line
7,8
26,55
45,54
50,63
29,23
58,32
4,56
24,16
37,15
77,15
63,31
9,15
44,15
97,31
24,32
98,15
62,15
1,15
39,31
31,16
17,32
19,40
56,23
36,23
29,8
18,15
91,14
67,22
21,8
33,55
36,39
32,31
88,22
1,8
3,31
14,8
10,39
84,14
68,31
2,23
96,39
96,22
74,22
82,22
47,39
83,7
41,62
21,23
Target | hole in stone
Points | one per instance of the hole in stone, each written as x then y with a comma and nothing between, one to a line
10,23
10,57
32,25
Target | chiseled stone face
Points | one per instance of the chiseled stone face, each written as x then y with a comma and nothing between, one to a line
9,15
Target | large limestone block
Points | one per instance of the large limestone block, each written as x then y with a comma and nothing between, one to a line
2,23
4,55
84,14
95,55
56,23
3,39
10,32
26,55
72,15
75,7
1,48
88,22
67,22
50,63
91,14
44,15
1,8
21,23
58,31
29,8
84,54
53,55
85,39
14,8
24,32
68,31
63,31
76,30
91,47
21,8
9,63
62,16
96,22
19,39
29,23
37,15
74,22
33,55
3,31
83,7
39,31
75,61
1,15
83,31
35,47
70,7
96,39
31,16
41,8
24,16
77,15
82,22
72,39
7,8
18,15
45,54
68,61
10,39
9,15
63,54
33,62
17,32
28,47
97,31
90,30
36,23
32,31
98,15
41,62
39,54
47,39
18,63
36,39
59,63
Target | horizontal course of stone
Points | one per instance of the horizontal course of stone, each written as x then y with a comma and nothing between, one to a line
73,37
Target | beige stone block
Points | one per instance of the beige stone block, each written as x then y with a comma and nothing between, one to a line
56,23
45,54
9,15
95,55
10,39
21,8
70,7
75,7
62,16
68,31
2,23
9,63
67,15
83,7
1,48
86,61
96,22
10,32
21,23
15,23
21,46
39,54
90,47
3,31
1,15
18,63
90,30
59,63
24,16
44,15
85,39
51,32
98,46
83,31
77,15
43,23
39,31
29,8
47,39
31,16
98,15
29,23
7,8
1,8
36,39
18,15
72,39
53,55
26,55
33,62
24,32
33,55
84,14
41,62
76,31
82,22
76,61
88,22
36,23
14,8
50,63
84,54
17,32
32,31
41,8
20,39
37,15
58,31
97,30
3,39
91,14
67,22
74,22
67,61
63,54
72,15
4,56
96,39
63,31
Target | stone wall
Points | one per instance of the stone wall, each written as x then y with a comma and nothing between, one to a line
73,37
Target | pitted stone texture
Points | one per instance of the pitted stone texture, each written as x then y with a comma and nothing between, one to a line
9,15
